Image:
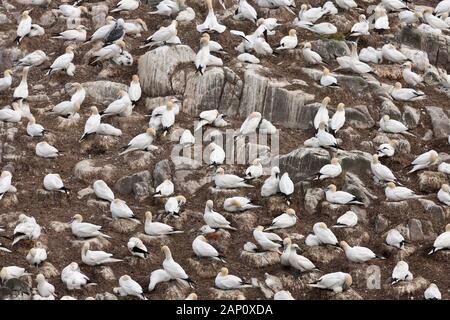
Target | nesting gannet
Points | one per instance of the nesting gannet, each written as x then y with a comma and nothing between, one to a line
312,240
217,155
21,91
102,190
163,34
92,123
370,54
347,220
72,277
36,58
164,189
108,130
245,11
392,126
340,197
285,220
95,258
168,116
214,219
390,53
53,182
174,270
188,14
12,272
142,141
135,27
336,281
266,239
5,182
227,281
103,31
157,228
262,47
324,28
37,254
250,124
66,108
382,21
108,52
77,34
324,234
229,181
129,287
325,139
203,249
266,127
126,5
353,63
187,138
82,229
298,261
432,292
424,161
444,194
6,81
337,121
63,61
327,79
173,205
406,94
44,288
358,254
346,4
387,149
288,42
158,276
71,11
169,7
120,210
207,117
401,272
286,186
330,8
380,171
237,204
309,14
361,28
271,185
287,247
11,115
434,21
442,7
34,129
410,76
137,247
394,193
395,239
119,106
45,150
24,27
255,170
311,56
134,90
442,241
283,295
331,170
210,23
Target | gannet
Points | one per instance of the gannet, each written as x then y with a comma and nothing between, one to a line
309,14
34,129
129,287
77,34
370,54
322,113
266,127
186,15
287,246
53,182
285,220
262,47
353,63
163,34
283,295
157,228
71,11
250,124
395,239
387,149
126,5
382,21
168,7
346,4
266,239
91,124
187,138
168,116
11,115
324,234
164,189
72,277
347,220
245,11
358,254
312,240
324,28
299,262
288,42
380,171
424,161
392,126
173,205
432,292
108,130
135,27
45,150
390,53
406,94
331,170
12,272
95,258
102,190
210,23
137,247
6,81
174,270
158,276
66,108
108,52
217,155
394,193
229,181
237,204
310,56
142,141
271,184
325,139
120,210
36,30
203,56
82,229
401,272
119,106
103,31
5,182
327,79
410,76
44,288
207,117
63,61
24,27
214,219
442,7
21,91
205,250
286,186
227,281
442,241
37,255
337,121
361,28
444,194
134,90
336,281
255,170
434,21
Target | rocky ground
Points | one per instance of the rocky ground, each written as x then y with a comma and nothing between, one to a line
283,89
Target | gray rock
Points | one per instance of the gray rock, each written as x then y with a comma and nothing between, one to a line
4,19
225,294
415,287
431,181
260,259
439,121
359,117
313,197
161,172
389,108
411,117
99,13
47,19
381,223
103,92
415,230
437,212
105,296
126,184
330,49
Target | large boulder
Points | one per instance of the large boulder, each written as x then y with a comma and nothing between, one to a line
103,92
439,121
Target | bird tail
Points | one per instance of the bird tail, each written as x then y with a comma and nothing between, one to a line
64,189
221,258
432,251
176,231
111,260
105,235
190,282
380,257
339,225
135,220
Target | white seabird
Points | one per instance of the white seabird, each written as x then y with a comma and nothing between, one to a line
102,190
205,250
347,220
157,228
210,23
164,189
444,194
324,234
424,161
267,240
395,239
214,219
340,197
82,229
331,170
53,182
229,181
137,248
142,141
358,254
173,205
336,281
226,281
394,193
238,204
95,258
285,220
401,272
271,184
173,268
442,241
129,287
